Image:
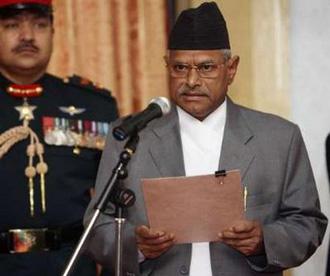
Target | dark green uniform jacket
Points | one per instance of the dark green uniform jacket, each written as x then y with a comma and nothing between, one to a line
71,120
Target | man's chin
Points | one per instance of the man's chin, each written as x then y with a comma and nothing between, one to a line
26,66
195,111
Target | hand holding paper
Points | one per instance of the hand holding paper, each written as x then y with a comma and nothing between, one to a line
245,236
152,243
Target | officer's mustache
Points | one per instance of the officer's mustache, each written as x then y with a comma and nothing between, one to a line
25,45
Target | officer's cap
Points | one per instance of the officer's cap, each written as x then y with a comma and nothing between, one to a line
41,6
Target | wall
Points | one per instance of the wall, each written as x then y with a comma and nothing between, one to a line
310,88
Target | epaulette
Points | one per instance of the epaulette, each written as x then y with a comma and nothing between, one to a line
85,83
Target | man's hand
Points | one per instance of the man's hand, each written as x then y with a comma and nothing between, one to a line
245,236
153,243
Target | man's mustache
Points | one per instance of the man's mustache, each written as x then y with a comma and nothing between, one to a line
192,91
23,45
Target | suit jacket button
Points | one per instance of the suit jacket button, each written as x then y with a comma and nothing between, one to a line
184,270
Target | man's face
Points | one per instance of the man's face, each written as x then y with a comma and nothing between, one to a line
199,79
25,43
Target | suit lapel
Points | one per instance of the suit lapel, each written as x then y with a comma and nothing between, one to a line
166,149
165,146
236,153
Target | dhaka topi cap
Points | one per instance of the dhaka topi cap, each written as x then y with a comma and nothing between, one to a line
201,28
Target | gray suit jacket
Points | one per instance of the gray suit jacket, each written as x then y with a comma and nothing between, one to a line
271,155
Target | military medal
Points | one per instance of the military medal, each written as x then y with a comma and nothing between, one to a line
48,125
73,137
25,92
19,133
76,133
78,137
25,111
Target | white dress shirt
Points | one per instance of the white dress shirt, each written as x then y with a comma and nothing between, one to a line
201,144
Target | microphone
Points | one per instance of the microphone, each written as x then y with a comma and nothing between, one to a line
157,107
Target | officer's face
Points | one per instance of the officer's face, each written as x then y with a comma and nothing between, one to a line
25,43
199,79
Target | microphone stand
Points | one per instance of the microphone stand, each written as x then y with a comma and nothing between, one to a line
121,197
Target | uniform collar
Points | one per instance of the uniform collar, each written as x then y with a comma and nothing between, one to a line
6,85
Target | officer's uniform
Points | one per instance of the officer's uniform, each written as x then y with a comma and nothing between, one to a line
70,119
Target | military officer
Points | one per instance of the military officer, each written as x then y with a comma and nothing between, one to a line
51,136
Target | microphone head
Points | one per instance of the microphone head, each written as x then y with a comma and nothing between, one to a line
158,107
163,103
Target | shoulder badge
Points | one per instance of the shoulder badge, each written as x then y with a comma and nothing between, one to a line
76,80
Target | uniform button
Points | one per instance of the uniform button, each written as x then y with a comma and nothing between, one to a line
184,270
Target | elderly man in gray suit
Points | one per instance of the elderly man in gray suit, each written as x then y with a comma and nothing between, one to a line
204,132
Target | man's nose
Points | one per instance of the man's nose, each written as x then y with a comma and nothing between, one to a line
193,78
26,31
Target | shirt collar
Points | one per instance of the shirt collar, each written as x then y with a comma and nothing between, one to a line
213,121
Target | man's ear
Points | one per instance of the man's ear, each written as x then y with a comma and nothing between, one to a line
166,59
232,66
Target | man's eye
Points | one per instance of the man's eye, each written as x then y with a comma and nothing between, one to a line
41,24
180,68
206,67
11,25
